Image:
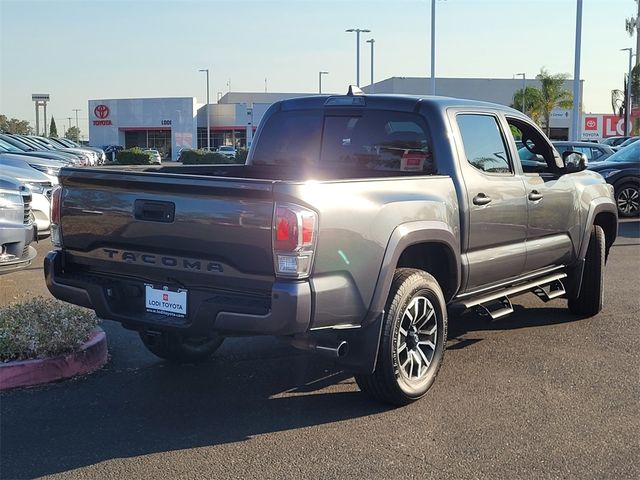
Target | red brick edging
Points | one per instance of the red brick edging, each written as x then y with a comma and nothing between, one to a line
91,356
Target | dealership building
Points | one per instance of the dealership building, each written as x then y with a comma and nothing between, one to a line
171,124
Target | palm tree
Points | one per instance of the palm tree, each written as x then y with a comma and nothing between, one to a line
532,102
553,94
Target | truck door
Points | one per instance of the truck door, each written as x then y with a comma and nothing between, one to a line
496,203
554,216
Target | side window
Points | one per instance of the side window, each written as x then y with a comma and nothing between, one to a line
535,153
586,151
484,145
595,153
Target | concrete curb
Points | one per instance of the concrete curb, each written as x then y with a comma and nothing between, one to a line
23,373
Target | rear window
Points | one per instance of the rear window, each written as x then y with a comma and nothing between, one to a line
378,140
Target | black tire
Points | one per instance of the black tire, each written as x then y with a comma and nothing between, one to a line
178,349
627,199
589,300
390,382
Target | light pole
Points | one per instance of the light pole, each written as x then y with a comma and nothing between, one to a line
627,95
358,32
206,70
575,115
320,81
77,128
524,87
371,41
433,47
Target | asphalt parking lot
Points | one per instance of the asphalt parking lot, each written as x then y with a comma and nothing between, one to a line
540,394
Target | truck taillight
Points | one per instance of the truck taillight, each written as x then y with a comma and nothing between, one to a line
56,206
294,240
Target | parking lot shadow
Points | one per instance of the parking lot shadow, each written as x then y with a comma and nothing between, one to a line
128,412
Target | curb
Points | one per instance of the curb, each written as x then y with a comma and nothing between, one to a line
24,373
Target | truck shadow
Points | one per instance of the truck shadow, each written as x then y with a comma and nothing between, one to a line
522,317
127,412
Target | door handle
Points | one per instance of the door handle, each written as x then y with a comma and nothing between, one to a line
481,199
535,195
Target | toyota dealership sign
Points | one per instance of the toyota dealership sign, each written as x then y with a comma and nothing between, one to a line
101,113
598,126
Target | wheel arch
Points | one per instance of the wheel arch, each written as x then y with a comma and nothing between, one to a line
602,212
427,245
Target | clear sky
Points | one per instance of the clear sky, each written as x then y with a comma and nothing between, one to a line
79,50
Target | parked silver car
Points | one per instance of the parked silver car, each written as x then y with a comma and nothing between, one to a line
41,187
17,230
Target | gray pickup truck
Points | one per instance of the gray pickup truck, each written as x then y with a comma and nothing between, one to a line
356,225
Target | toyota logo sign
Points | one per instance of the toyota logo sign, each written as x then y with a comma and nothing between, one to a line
102,112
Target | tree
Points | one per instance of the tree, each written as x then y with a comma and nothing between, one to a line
53,130
554,95
532,102
73,134
14,125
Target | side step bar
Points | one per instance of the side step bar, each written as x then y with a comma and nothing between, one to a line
497,304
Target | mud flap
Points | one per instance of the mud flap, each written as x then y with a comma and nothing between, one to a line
363,347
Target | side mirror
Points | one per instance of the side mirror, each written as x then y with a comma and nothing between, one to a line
574,161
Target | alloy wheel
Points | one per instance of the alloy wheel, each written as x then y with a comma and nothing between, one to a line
416,342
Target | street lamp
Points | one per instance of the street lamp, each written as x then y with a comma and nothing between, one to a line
358,32
320,81
575,124
433,47
524,87
371,41
206,70
627,94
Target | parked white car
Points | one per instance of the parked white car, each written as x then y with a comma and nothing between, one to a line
227,151
155,155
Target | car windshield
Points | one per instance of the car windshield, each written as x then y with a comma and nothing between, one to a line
629,141
7,147
628,154
226,148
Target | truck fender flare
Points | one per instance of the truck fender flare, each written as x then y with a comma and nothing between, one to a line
597,206
403,236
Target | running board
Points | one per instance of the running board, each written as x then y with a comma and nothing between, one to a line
497,304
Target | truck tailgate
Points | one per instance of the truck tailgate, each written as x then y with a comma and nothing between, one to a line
166,227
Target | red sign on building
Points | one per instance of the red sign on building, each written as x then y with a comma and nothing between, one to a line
101,112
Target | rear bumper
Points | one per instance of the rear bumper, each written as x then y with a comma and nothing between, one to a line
286,312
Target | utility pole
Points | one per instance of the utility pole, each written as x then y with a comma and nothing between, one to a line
77,127
206,70
433,47
575,116
524,88
627,95
320,81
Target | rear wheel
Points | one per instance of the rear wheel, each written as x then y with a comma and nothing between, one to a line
590,298
413,340
179,349
628,200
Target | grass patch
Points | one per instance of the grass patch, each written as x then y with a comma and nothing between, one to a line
41,328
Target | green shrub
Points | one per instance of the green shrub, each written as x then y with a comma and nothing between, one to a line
199,157
42,328
133,156
241,155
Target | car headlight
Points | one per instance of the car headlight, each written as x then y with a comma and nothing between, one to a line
47,170
10,200
36,187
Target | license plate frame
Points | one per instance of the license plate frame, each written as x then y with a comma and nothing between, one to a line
165,300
